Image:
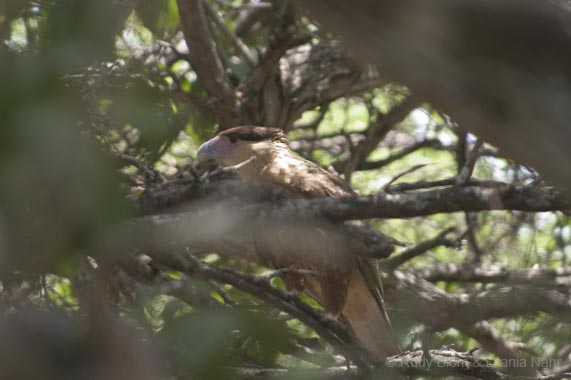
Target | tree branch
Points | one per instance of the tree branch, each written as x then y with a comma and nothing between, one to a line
372,165
376,132
275,205
491,341
204,57
239,45
429,304
407,186
332,331
227,227
419,249
440,364
548,277
446,200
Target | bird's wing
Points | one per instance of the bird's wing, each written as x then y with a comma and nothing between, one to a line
304,178
363,308
315,246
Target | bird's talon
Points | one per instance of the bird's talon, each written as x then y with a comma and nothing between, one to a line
331,317
246,344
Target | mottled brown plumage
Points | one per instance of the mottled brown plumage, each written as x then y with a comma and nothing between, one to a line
346,284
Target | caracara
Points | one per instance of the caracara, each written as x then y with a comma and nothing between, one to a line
350,287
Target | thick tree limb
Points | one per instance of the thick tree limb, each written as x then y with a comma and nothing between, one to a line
429,202
276,205
163,196
491,341
427,303
549,277
465,311
386,205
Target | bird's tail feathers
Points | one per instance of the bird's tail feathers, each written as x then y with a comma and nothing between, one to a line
366,314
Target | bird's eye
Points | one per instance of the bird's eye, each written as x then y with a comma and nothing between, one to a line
232,138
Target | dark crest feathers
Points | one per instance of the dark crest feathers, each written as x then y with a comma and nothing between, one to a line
256,134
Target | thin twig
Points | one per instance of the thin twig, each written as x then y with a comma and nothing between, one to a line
377,131
282,271
419,249
468,168
149,172
405,186
240,46
402,174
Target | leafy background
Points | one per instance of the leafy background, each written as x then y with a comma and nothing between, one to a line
98,104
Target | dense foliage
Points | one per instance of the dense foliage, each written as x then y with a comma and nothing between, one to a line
102,107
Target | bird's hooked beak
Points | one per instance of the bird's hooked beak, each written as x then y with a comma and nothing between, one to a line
206,152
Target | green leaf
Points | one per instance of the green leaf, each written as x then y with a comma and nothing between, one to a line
158,16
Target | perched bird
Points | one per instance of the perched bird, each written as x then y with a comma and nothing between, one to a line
346,284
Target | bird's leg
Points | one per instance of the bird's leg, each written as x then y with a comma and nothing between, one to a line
333,295
331,316
292,276
426,341
246,344
294,282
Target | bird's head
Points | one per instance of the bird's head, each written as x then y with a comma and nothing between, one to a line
236,145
